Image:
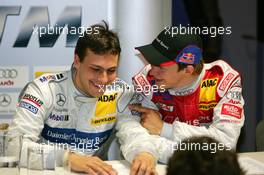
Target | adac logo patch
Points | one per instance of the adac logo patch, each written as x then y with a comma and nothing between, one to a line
209,83
105,111
107,98
208,90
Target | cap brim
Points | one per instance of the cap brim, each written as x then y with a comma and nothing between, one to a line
152,55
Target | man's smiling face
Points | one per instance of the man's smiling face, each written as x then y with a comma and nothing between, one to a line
95,72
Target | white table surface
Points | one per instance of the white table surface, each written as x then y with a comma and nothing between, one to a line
123,166
252,163
259,156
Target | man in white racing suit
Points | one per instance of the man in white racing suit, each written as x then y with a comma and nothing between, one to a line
78,107
194,99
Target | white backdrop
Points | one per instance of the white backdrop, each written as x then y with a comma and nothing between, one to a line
136,21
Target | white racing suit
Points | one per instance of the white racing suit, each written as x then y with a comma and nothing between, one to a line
211,106
51,110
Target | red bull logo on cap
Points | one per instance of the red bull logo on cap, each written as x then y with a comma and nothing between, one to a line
187,58
189,55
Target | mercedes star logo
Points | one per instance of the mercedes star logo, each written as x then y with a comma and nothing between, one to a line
61,99
5,100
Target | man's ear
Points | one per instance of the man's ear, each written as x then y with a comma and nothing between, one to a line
189,69
77,61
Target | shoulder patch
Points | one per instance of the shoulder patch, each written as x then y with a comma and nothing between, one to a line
32,99
229,76
231,110
141,80
226,81
29,107
52,77
57,77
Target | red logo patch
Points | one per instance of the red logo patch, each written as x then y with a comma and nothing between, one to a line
231,110
226,81
234,101
142,83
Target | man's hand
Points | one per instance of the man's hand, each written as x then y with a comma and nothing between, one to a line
90,165
143,164
150,119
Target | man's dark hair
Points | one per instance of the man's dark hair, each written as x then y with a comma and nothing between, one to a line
203,162
100,41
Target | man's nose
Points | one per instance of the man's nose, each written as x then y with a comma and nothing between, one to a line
103,77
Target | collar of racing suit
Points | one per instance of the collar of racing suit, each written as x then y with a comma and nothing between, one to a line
187,89
78,94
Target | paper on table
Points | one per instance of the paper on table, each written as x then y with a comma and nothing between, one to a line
121,168
251,166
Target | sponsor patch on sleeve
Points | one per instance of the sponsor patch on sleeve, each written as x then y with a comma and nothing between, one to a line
33,99
29,107
142,82
226,81
237,83
231,110
49,77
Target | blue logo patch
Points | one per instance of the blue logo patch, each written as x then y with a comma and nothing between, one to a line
189,55
28,106
80,139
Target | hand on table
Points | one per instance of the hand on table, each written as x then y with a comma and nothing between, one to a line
150,119
143,164
91,165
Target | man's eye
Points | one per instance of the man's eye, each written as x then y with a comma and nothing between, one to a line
111,71
163,69
95,69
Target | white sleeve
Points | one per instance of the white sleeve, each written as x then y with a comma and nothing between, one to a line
227,122
132,136
33,106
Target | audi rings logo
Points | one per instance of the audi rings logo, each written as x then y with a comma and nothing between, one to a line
5,100
8,73
61,99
